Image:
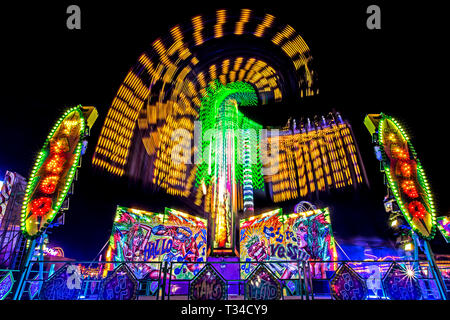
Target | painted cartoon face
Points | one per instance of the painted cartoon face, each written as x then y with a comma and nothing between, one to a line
258,251
302,232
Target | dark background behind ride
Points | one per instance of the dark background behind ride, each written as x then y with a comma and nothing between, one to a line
46,68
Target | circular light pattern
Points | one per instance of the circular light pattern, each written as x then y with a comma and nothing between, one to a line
304,206
406,177
409,188
49,183
53,173
163,91
41,206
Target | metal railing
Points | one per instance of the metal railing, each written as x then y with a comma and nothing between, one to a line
306,280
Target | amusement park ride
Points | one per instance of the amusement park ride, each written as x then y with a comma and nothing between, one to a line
179,125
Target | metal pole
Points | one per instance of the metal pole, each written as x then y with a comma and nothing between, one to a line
434,268
26,271
300,289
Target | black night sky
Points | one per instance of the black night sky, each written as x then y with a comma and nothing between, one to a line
396,70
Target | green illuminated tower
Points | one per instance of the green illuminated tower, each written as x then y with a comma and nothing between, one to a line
230,157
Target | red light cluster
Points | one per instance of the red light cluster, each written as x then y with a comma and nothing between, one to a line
54,166
406,178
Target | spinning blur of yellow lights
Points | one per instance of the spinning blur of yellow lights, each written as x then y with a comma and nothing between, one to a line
321,159
163,90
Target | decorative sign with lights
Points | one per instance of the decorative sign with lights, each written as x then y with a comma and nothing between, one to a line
6,284
405,175
62,285
401,283
121,285
208,284
262,285
54,170
348,285
444,227
5,192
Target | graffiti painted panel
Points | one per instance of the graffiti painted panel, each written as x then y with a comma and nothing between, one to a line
120,285
262,285
348,285
208,285
64,284
402,284
174,236
277,237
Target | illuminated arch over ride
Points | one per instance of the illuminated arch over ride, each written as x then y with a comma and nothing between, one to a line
163,91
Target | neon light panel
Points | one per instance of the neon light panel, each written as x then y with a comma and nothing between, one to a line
53,173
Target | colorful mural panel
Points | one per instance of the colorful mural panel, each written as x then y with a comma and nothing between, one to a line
405,175
174,236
